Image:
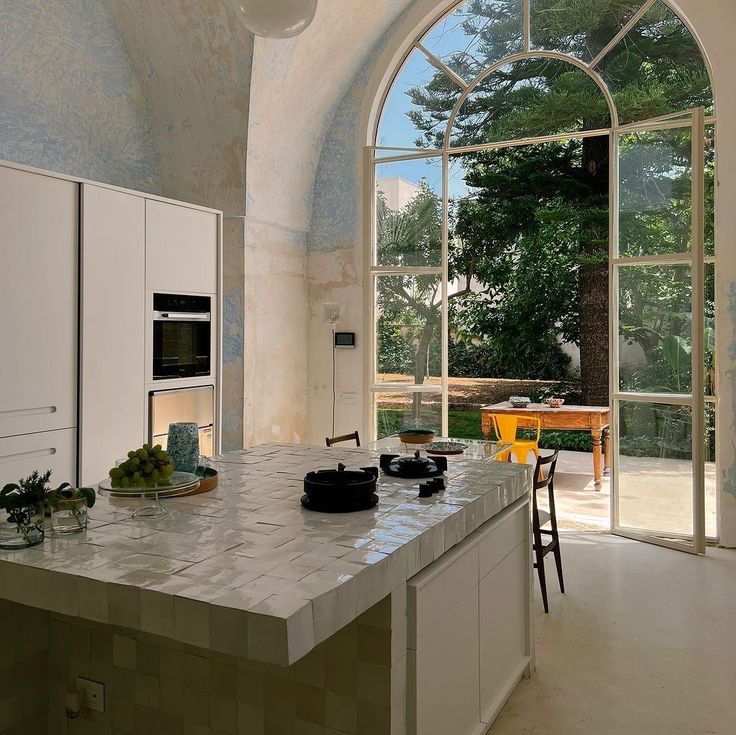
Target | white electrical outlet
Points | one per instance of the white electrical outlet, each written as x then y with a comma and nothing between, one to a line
331,312
91,694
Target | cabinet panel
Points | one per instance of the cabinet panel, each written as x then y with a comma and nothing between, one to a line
113,329
181,249
434,591
48,450
504,616
38,302
504,537
446,660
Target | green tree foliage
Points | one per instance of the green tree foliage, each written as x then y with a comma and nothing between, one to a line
533,232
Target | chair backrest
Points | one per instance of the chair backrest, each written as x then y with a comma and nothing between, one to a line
544,472
505,426
330,440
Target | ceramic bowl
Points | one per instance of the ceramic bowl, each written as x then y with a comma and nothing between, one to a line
416,436
520,401
554,402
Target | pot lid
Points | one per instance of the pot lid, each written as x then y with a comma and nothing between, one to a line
414,461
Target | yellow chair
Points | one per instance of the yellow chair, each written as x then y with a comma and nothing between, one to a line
506,427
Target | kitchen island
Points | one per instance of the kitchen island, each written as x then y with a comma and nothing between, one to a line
243,612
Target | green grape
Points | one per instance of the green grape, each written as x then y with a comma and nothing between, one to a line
155,475
131,454
115,482
147,447
148,468
125,482
167,470
157,449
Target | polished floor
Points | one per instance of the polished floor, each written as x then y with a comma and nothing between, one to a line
656,494
642,643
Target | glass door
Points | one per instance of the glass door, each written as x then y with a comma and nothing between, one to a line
658,418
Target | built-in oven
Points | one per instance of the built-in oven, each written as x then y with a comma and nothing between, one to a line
183,405
182,330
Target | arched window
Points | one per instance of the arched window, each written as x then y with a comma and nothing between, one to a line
539,165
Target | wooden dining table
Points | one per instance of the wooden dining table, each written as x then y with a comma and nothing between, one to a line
595,419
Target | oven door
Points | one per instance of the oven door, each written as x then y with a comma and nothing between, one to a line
181,345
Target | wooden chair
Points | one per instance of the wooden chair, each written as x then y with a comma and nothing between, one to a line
546,479
329,441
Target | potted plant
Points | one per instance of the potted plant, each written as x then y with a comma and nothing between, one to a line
24,504
68,508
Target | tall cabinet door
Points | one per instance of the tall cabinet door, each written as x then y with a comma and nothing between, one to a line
112,328
38,302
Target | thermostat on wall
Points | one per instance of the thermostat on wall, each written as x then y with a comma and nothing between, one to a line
345,340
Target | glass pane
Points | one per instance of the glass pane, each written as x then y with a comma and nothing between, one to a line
655,486
709,331
710,190
395,411
477,34
656,69
579,29
409,213
418,105
537,96
655,193
523,218
408,329
711,526
655,329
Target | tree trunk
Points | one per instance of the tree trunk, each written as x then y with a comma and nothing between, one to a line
420,361
594,283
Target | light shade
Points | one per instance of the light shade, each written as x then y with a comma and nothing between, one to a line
276,18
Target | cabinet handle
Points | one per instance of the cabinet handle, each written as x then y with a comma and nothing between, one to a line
28,455
23,412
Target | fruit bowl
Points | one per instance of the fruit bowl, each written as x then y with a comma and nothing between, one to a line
554,402
416,436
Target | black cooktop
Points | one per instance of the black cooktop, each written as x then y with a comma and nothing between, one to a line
413,467
340,490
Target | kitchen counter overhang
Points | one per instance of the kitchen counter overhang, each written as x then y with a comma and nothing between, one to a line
245,570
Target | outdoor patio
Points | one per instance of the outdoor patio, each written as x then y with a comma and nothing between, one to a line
655,494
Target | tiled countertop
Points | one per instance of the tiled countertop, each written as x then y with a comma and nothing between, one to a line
245,569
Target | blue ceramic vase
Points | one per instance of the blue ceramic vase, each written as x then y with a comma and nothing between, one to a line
183,446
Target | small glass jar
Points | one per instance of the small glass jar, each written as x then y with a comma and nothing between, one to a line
69,517
22,528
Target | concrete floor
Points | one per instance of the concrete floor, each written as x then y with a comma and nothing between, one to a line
655,494
642,643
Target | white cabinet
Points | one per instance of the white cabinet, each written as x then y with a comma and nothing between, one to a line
181,249
503,631
113,329
469,629
444,661
47,450
38,302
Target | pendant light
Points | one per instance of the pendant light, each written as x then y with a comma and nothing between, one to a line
276,18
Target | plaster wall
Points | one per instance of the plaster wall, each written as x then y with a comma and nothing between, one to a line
336,242
295,89
70,100
194,61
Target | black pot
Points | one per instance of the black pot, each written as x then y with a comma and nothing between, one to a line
340,490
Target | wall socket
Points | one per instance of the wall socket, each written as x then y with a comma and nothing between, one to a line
91,694
331,312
